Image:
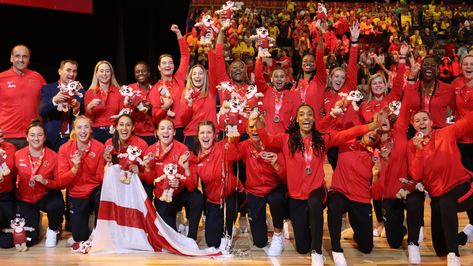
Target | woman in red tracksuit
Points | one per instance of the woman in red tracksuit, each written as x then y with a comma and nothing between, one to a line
7,197
161,156
434,96
213,167
37,173
341,81
116,150
278,104
378,100
200,96
434,159
167,105
393,151
103,100
237,76
265,183
81,170
350,191
306,89
463,86
143,121
304,149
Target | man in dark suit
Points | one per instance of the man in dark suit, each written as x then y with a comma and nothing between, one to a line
59,123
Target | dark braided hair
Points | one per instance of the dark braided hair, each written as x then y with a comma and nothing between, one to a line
295,138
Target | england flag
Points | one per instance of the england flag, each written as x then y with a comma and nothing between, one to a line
128,222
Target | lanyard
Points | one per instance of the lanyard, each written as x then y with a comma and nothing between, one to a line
35,165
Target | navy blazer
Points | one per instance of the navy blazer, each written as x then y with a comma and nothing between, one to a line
51,116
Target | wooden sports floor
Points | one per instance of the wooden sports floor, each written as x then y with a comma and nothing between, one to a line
246,255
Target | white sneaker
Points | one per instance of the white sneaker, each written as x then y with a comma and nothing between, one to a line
339,259
468,230
285,230
183,229
453,260
224,245
378,230
317,259
414,254
421,235
51,238
92,235
277,246
70,241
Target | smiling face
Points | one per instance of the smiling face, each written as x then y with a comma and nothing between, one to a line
206,137
36,137
142,74
165,132
124,128
422,123
237,71
370,139
104,73
308,63
305,119
338,79
197,77
20,58
279,79
82,130
166,66
428,69
68,73
467,67
378,87
252,131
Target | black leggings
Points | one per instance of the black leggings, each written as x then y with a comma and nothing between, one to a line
393,212
308,221
466,152
7,213
80,210
444,221
257,213
359,215
52,203
192,201
214,221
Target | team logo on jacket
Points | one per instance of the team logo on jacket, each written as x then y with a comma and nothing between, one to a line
46,163
11,84
92,154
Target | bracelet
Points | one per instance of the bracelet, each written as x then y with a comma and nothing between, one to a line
353,42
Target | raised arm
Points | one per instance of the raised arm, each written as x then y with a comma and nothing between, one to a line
259,77
220,68
336,138
181,72
321,72
398,83
212,78
352,71
274,142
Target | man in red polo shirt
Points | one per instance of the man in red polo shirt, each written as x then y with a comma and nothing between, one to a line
20,91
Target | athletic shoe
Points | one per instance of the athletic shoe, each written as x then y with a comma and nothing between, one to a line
339,259
51,238
414,254
277,245
317,259
453,260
